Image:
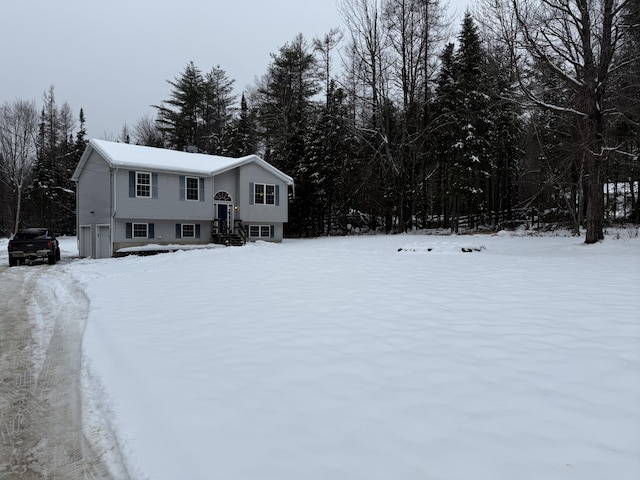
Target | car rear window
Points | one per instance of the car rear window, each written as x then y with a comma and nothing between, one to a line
31,234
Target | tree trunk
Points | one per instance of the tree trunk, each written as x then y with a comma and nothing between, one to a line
594,216
16,226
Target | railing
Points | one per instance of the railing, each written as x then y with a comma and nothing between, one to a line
221,233
239,227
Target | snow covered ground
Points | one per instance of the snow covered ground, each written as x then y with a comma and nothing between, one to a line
382,357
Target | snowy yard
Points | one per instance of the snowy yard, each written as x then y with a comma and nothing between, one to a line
388,357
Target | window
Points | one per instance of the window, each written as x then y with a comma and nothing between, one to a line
259,192
270,198
261,231
222,196
140,230
265,194
192,188
143,184
188,230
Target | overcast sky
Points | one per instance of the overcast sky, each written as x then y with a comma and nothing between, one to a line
112,58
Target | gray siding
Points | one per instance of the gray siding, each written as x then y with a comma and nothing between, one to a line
278,231
104,198
260,214
93,201
94,192
167,205
227,182
164,233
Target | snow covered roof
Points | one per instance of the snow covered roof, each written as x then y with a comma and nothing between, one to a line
164,160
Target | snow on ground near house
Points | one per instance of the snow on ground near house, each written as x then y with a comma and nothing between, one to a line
371,358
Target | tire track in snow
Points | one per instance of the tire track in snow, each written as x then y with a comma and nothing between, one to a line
41,327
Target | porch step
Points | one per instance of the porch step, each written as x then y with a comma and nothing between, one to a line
233,240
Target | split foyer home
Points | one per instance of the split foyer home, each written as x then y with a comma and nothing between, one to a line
133,196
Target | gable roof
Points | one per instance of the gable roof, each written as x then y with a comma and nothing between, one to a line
126,155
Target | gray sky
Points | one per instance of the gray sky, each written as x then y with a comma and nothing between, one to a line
113,58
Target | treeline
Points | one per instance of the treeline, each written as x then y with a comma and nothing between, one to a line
39,150
530,115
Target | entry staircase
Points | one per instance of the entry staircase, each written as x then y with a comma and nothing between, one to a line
223,234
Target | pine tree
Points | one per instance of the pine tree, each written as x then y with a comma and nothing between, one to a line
472,163
242,138
198,112
329,159
284,100
52,195
503,136
180,117
446,138
217,101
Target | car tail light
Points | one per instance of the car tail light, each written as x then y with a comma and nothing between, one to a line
48,244
10,246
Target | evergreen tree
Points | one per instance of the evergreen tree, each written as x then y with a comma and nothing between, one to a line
330,148
52,195
217,101
180,117
284,101
503,137
471,164
446,137
242,138
285,112
198,112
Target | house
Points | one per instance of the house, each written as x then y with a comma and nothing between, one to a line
132,196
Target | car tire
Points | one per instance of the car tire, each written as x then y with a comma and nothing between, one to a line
51,258
13,262
58,253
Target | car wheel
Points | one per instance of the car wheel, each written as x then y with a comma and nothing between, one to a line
51,258
13,262
58,253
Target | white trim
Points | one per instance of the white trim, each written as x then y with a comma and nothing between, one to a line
186,188
140,172
133,229
182,225
224,200
260,229
264,196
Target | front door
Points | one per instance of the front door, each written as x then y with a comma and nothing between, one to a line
225,216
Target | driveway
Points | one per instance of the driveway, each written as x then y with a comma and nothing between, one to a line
42,318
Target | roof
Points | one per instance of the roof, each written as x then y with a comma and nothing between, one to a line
126,155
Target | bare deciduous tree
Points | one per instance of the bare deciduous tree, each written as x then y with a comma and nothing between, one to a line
18,130
146,132
575,43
